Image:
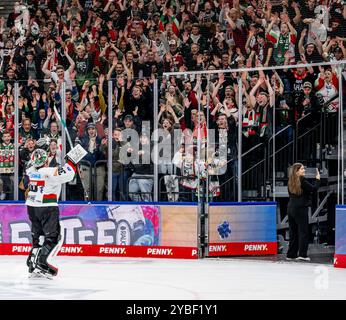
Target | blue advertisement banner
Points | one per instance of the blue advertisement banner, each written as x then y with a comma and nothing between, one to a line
242,229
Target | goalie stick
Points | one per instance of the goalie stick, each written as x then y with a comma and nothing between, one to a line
63,123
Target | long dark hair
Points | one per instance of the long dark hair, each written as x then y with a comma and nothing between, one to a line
294,185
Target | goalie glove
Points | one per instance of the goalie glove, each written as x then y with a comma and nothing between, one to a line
76,154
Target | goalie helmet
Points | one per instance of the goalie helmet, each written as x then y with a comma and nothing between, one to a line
39,157
43,143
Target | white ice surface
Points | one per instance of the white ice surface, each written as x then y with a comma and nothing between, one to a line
163,279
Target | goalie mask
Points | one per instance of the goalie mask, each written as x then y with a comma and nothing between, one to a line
43,143
39,157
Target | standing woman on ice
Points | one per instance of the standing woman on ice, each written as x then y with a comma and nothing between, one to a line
300,190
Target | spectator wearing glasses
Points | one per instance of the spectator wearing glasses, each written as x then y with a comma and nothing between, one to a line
54,133
26,131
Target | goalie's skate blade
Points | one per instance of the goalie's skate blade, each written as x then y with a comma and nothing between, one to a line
34,275
38,274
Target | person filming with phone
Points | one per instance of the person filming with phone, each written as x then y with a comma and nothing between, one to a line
300,191
308,102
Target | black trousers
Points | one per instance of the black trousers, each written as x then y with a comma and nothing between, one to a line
298,220
44,222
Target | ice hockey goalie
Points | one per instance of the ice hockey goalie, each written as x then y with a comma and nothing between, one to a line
42,204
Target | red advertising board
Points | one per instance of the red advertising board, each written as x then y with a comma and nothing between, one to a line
108,251
110,230
242,248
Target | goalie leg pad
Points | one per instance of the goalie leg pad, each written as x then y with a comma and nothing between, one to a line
45,253
31,262
32,258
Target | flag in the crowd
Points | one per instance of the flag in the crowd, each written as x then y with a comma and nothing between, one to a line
162,23
175,25
273,36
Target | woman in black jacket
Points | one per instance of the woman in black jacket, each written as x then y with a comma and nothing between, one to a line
300,190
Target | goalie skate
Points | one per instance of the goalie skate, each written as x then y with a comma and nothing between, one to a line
39,274
47,269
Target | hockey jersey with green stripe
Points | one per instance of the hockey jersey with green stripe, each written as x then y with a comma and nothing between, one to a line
45,184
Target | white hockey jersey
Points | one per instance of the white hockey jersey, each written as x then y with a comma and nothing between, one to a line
45,184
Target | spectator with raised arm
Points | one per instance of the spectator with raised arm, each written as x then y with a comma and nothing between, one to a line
283,40
312,53
60,74
327,85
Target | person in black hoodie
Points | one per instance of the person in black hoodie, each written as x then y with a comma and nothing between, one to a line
308,102
300,190
226,140
91,142
141,182
138,101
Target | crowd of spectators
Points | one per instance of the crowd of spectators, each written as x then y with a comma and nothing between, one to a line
86,43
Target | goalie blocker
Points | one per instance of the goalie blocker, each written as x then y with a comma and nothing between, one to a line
42,203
